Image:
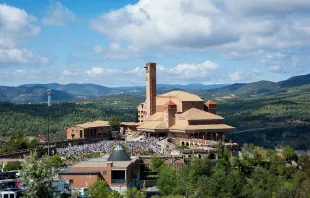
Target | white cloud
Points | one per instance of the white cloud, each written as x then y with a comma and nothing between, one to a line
267,7
201,24
189,72
236,76
16,26
99,71
115,51
57,15
275,68
286,60
97,49
20,56
256,71
114,46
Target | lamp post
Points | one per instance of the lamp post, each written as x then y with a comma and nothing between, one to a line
49,104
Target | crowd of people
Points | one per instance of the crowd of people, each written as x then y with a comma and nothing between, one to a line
135,147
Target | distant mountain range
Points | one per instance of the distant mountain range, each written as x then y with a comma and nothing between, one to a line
36,93
258,88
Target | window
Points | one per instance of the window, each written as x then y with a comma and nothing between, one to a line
71,181
104,173
118,176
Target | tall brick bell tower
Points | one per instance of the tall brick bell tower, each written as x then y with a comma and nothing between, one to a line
150,103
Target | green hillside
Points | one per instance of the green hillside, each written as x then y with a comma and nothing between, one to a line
287,111
36,94
256,88
295,81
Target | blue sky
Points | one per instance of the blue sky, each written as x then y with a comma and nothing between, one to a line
192,41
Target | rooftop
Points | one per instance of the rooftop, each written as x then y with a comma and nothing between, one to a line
197,114
119,154
102,162
204,127
153,125
182,96
98,123
130,123
210,102
158,116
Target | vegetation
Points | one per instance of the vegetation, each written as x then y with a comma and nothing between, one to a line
282,113
32,119
156,164
17,142
38,175
260,173
12,166
101,189
133,193
115,124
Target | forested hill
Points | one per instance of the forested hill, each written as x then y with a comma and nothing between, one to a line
35,94
256,89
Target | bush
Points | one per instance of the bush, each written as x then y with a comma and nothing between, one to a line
12,166
289,153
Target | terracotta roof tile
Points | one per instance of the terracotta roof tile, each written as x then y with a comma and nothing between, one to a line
182,96
208,127
197,114
158,116
210,102
98,123
153,125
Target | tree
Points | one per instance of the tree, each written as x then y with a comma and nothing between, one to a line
115,123
99,189
156,163
115,194
37,174
133,193
289,153
223,156
55,162
168,183
12,166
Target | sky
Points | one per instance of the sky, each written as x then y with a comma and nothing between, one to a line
192,41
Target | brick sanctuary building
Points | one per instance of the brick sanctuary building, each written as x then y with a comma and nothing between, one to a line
178,114
118,169
90,130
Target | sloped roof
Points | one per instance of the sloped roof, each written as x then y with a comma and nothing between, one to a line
130,123
204,127
119,154
98,123
170,103
158,116
197,114
182,96
210,102
153,125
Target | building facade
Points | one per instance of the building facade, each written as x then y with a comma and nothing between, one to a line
90,130
119,171
178,114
